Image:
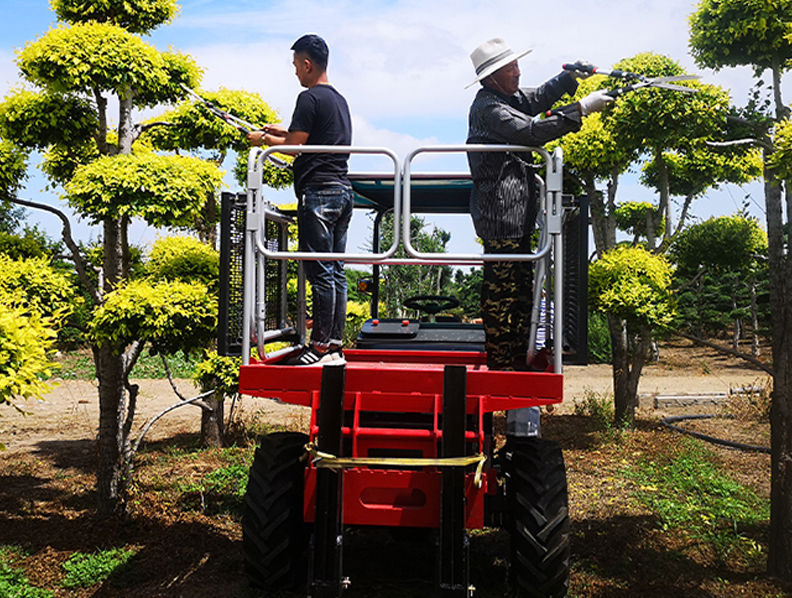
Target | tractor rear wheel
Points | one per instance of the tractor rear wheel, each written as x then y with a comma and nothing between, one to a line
538,517
274,535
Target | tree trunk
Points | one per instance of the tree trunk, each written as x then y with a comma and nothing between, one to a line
629,358
113,446
603,210
664,207
780,545
780,551
212,432
113,443
699,302
737,334
755,350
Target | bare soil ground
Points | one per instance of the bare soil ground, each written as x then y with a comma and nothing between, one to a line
187,545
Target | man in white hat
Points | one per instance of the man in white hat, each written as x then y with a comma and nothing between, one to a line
503,200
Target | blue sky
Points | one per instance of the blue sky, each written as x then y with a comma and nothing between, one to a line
402,64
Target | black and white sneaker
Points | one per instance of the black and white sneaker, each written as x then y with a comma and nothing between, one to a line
338,356
311,356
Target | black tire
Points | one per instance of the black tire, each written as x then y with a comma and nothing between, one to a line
537,517
274,535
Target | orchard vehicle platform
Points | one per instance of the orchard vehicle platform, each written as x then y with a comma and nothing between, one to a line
387,377
402,434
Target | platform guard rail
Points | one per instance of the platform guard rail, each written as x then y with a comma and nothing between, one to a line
257,251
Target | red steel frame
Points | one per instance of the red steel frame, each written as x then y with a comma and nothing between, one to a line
408,382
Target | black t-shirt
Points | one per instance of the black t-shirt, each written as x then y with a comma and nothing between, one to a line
323,113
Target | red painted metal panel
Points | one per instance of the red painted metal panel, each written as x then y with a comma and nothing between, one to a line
396,498
405,385
390,383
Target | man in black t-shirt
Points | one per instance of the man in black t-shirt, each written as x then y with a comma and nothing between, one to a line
324,195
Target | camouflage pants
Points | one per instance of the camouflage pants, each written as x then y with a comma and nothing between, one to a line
506,299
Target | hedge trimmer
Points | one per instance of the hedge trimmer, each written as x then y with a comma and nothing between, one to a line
239,124
636,81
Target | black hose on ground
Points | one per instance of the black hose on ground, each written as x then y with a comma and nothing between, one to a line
668,422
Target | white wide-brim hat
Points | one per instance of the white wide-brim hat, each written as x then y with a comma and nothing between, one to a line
490,56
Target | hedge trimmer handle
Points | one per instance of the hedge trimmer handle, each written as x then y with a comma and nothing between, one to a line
588,68
619,92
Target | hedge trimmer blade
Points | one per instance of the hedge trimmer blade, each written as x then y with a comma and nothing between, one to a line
664,83
659,82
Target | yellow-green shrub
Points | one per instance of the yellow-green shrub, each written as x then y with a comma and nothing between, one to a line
184,259
634,285
25,341
357,313
172,316
33,283
218,372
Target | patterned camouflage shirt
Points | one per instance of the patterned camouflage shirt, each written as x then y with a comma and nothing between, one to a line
502,203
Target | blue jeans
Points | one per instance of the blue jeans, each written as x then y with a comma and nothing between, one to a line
323,216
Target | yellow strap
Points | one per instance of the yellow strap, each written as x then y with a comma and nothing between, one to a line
326,460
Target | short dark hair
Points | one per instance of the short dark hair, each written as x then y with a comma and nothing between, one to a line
314,47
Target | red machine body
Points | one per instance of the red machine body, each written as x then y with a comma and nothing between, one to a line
403,421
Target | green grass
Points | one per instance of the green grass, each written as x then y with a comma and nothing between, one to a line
86,570
78,365
218,491
13,584
597,406
150,367
688,492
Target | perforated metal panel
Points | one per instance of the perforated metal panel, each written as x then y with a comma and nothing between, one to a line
275,288
576,281
232,264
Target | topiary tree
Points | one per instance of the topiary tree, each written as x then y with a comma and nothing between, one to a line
732,249
631,285
756,33
643,129
110,177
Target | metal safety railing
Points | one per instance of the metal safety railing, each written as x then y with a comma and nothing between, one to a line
549,251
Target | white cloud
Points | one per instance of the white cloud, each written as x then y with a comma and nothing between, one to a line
410,59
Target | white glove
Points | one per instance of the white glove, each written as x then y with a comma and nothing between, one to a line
595,102
586,72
